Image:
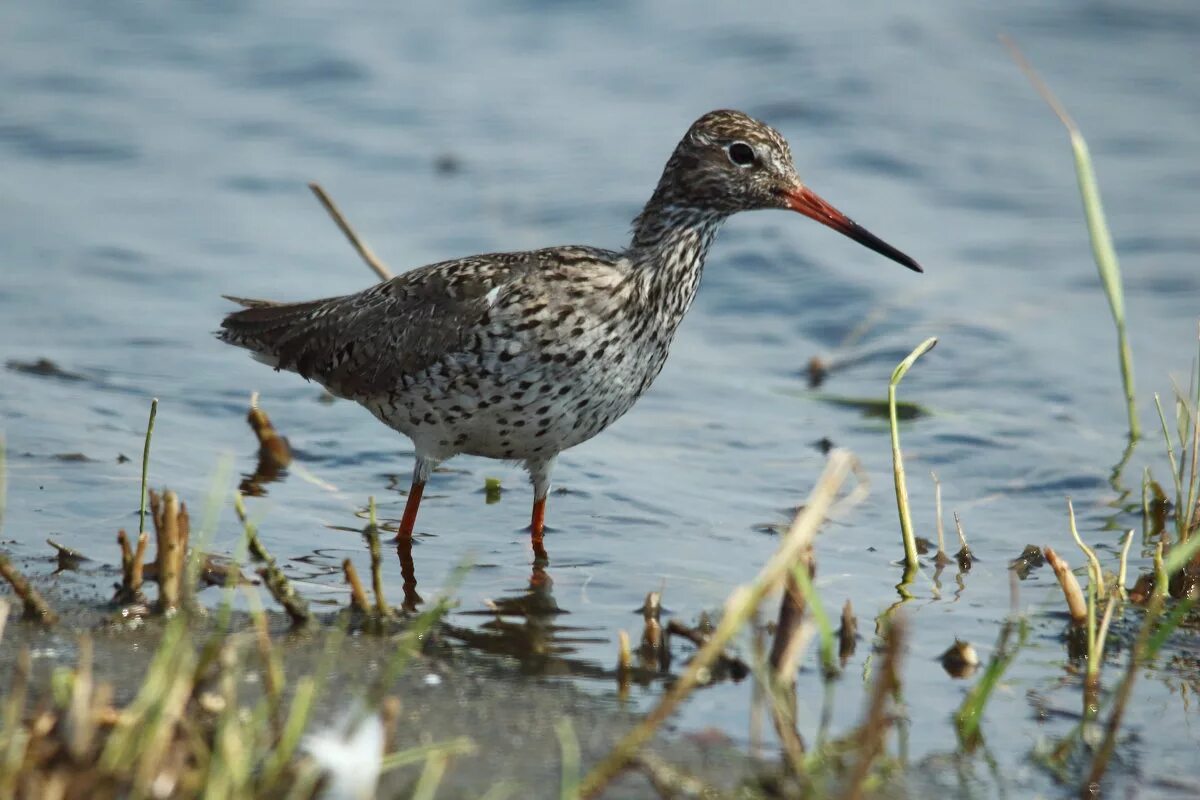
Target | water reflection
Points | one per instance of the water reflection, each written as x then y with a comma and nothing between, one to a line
408,570
526,625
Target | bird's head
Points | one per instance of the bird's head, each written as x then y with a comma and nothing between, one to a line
729,162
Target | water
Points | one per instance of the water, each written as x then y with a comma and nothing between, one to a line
155,158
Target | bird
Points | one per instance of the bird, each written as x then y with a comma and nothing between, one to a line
522,355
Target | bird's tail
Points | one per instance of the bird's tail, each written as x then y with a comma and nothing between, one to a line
269,329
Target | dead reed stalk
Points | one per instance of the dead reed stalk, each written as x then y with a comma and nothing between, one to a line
35,606
172,529
1076,604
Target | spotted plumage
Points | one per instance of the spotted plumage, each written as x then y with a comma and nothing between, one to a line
523,355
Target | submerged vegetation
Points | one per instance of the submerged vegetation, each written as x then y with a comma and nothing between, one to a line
221,713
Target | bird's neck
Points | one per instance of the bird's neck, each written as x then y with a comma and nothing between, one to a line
667,255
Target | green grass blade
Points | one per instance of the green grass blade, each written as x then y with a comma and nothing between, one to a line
1168,626
906,528
970,713
1103,252
1181,554
568,742
146,465
824,629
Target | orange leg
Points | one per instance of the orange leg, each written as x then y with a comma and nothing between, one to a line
539,476
409,520
537,527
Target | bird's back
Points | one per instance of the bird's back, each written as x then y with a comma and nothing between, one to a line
367,343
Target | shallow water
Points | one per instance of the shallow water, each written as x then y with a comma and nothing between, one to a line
156,158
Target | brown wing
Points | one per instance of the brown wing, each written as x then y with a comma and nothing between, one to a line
364,344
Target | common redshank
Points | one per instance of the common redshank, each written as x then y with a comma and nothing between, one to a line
519,356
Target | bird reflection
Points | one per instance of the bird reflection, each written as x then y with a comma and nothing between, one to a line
268,470
523,625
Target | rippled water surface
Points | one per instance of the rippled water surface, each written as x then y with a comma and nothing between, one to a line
153,157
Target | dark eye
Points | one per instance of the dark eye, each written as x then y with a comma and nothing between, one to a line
741,154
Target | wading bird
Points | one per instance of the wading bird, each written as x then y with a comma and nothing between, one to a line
522,355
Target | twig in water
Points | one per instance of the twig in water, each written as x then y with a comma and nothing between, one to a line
847,633
382,609
274,452
624,658
272,446
791,613
68,557
1123,572
964,556
941,559
652,648
35,605
358,597
732,665
360,247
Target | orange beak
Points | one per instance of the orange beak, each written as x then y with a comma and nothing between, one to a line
808,203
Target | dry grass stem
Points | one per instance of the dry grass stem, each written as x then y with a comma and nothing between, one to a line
172,531
877,720
791,614
36,607
671,782
964,556
132,565
382,609
652,648
624,656
272,446
1123,572
724,663
941,559
360,247
358,596
847,633
1076,604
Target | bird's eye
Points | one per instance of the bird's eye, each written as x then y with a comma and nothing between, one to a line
741,154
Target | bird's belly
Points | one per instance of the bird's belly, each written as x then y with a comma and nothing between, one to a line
528,410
